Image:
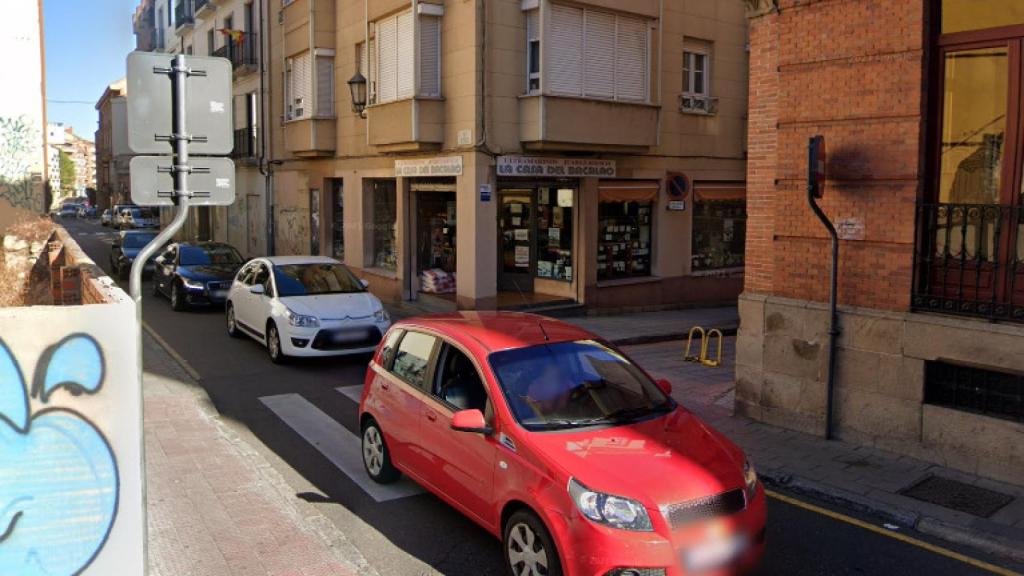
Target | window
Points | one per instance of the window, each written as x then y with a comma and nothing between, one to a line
245,275
596,54
977,390
262,278
695,70
413,358
533,51
383,205
387,353
210,41
458,384
555,233
625,213
719,226
324,86
316,279
298,87
396,62
696,96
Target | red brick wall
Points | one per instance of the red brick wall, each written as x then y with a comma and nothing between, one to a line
851,70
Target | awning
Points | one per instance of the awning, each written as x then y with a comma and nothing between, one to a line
719,191
628,190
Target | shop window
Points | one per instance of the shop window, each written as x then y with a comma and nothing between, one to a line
625,219
338,219
436,235
314,222
383,205
555,233
719,234
964,15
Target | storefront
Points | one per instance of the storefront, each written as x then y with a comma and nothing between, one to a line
719,226
626,213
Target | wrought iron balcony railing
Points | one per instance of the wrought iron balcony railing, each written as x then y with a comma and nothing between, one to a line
184,14
244,54
245,143
969,260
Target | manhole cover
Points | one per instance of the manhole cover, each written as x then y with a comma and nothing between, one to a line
958,496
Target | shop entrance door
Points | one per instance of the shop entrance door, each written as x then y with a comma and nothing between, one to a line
516,244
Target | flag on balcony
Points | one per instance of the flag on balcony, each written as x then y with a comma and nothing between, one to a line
236,35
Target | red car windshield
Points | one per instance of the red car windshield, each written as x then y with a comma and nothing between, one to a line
575,384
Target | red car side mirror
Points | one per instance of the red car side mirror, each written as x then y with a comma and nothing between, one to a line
665,386
471,421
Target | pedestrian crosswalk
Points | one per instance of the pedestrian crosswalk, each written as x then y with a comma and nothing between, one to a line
340,446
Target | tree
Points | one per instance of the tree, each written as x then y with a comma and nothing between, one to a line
68,178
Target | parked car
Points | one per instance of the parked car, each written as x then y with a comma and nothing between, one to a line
559,445
106,218
305,306
86,211
69,211
195,273
136,217
126,246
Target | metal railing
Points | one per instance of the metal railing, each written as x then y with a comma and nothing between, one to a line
199,5
969,260
184,13
245,143
243,54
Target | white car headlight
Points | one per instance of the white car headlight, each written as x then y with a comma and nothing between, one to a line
382,316
193,284
303,321
750,479
614,511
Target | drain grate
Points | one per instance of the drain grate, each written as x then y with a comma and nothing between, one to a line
958,496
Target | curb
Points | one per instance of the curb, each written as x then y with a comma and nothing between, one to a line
668,337
1006,548
172,353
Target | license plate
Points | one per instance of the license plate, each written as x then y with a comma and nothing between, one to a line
219,294
348,336
715,553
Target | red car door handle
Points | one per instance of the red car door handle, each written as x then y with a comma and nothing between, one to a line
431,416
385,386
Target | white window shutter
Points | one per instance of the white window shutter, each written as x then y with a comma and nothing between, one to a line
301,86
430,56
564,71
371,73
387,61
406,56
599,55
631,60
324,86
533,24
364,62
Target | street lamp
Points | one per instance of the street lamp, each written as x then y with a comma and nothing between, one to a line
357,86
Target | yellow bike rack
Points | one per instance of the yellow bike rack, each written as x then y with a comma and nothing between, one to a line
703,345
704,355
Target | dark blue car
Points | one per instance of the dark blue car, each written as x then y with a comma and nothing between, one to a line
125,248
198,273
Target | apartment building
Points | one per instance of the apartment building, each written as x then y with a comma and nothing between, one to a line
229,29
538,151
920,104
113,179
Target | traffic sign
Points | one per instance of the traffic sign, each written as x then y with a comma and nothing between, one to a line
211,181
151,108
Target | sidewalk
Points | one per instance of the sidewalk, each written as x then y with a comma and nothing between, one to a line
215,505
648,327
859,478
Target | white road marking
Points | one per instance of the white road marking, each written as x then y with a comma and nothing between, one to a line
353,393
336,443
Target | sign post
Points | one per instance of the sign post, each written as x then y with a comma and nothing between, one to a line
168,96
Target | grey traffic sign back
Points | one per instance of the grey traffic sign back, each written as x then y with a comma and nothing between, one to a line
150,107
211,182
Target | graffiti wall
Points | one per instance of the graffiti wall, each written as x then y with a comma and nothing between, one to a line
70,440
22,152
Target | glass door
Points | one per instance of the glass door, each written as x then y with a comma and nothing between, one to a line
516,244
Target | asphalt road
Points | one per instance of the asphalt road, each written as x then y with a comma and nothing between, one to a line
405,531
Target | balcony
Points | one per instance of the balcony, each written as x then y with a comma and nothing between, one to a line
184,15
970,261
407,125
311,137
567,123
245,144
203,8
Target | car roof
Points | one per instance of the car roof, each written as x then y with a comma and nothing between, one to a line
497,331
287,260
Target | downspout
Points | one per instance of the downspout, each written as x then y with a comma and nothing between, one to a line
47,192
661,67
313,75
266,168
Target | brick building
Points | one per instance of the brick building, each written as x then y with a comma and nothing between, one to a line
920,103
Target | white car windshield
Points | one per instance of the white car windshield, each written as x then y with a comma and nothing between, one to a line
314,279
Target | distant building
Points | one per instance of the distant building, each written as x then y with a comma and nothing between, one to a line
112,177
144,26
23,149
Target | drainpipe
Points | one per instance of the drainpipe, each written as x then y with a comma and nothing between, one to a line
816,155
266,168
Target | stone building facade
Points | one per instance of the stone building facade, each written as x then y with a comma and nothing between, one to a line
920,106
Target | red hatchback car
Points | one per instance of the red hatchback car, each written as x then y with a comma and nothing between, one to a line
558,444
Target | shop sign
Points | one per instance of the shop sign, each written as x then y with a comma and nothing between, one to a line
533,166
446,166
485,192
677,205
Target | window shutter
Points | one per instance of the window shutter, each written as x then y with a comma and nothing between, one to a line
406,56
430,56
599,54
533,24
631,60
324,86
301,86
387,61
564,71
371,73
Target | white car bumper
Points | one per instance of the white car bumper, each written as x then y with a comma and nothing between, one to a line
333,338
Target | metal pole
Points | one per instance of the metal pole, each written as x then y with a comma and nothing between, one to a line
833,323
180,137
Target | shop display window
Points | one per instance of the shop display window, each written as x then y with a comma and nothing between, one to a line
555,233
385,249
719,234
624,239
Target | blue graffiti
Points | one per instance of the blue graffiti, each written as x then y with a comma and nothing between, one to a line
58,476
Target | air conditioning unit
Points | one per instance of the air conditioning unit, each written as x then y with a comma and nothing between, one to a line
694,104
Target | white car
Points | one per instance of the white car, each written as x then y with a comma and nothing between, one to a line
305,306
